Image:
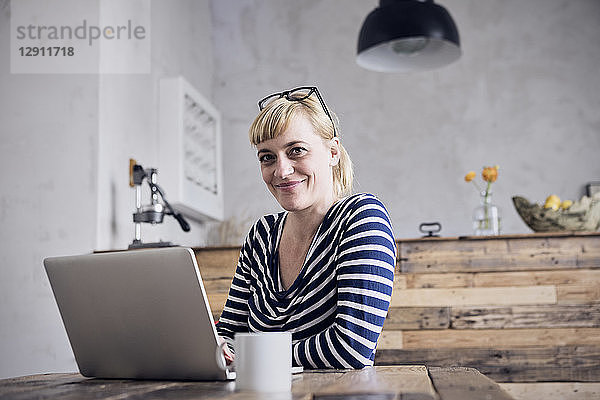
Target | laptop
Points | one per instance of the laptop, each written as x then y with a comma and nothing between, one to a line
140,314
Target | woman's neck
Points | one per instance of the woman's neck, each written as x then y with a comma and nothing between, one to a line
303,224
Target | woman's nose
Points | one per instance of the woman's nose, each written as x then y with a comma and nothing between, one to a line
283,168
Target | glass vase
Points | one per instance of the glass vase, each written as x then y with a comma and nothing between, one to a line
486,217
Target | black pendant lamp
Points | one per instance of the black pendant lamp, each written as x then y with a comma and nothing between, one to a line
407,35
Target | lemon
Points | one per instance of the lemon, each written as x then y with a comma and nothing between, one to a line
553,202
566,204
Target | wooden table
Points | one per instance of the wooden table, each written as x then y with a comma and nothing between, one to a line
382,382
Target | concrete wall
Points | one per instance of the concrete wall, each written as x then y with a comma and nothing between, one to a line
64,150
524,95
48,156
128,113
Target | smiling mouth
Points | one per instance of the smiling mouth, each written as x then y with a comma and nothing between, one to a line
288,185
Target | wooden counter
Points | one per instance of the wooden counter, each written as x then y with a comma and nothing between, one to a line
519,308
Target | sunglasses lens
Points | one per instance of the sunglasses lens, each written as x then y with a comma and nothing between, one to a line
299,94
268,100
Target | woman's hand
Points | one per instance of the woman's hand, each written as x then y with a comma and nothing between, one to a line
229,356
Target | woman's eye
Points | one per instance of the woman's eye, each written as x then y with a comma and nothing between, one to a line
297,151
265,158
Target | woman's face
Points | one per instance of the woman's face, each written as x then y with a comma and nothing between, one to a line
297,166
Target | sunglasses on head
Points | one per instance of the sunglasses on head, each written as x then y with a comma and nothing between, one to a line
297,94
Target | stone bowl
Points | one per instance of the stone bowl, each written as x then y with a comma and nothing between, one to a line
583,215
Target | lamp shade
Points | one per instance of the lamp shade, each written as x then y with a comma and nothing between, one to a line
407,35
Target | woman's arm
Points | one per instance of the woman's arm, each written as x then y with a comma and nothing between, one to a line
365,260
234,317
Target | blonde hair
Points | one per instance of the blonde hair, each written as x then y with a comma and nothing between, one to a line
274,119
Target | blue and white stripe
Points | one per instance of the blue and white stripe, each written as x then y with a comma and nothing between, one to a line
336,307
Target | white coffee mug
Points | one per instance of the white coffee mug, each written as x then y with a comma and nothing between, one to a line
263,361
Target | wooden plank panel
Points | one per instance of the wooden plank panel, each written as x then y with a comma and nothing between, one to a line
399,318
390,339
459,383
491,279
589,257
217,263
217,285
442,280
584,293
399,281
530,364
531,278
500,255
474,296
217,301
501,337
534,316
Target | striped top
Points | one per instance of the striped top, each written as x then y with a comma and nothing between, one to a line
336,307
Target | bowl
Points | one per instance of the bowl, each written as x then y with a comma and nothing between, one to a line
583,215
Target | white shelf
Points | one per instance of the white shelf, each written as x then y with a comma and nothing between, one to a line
190,151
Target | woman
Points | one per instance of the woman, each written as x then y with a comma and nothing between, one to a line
322,269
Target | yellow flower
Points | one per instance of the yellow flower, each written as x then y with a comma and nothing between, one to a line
553,202
566,204
470,176
490,174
